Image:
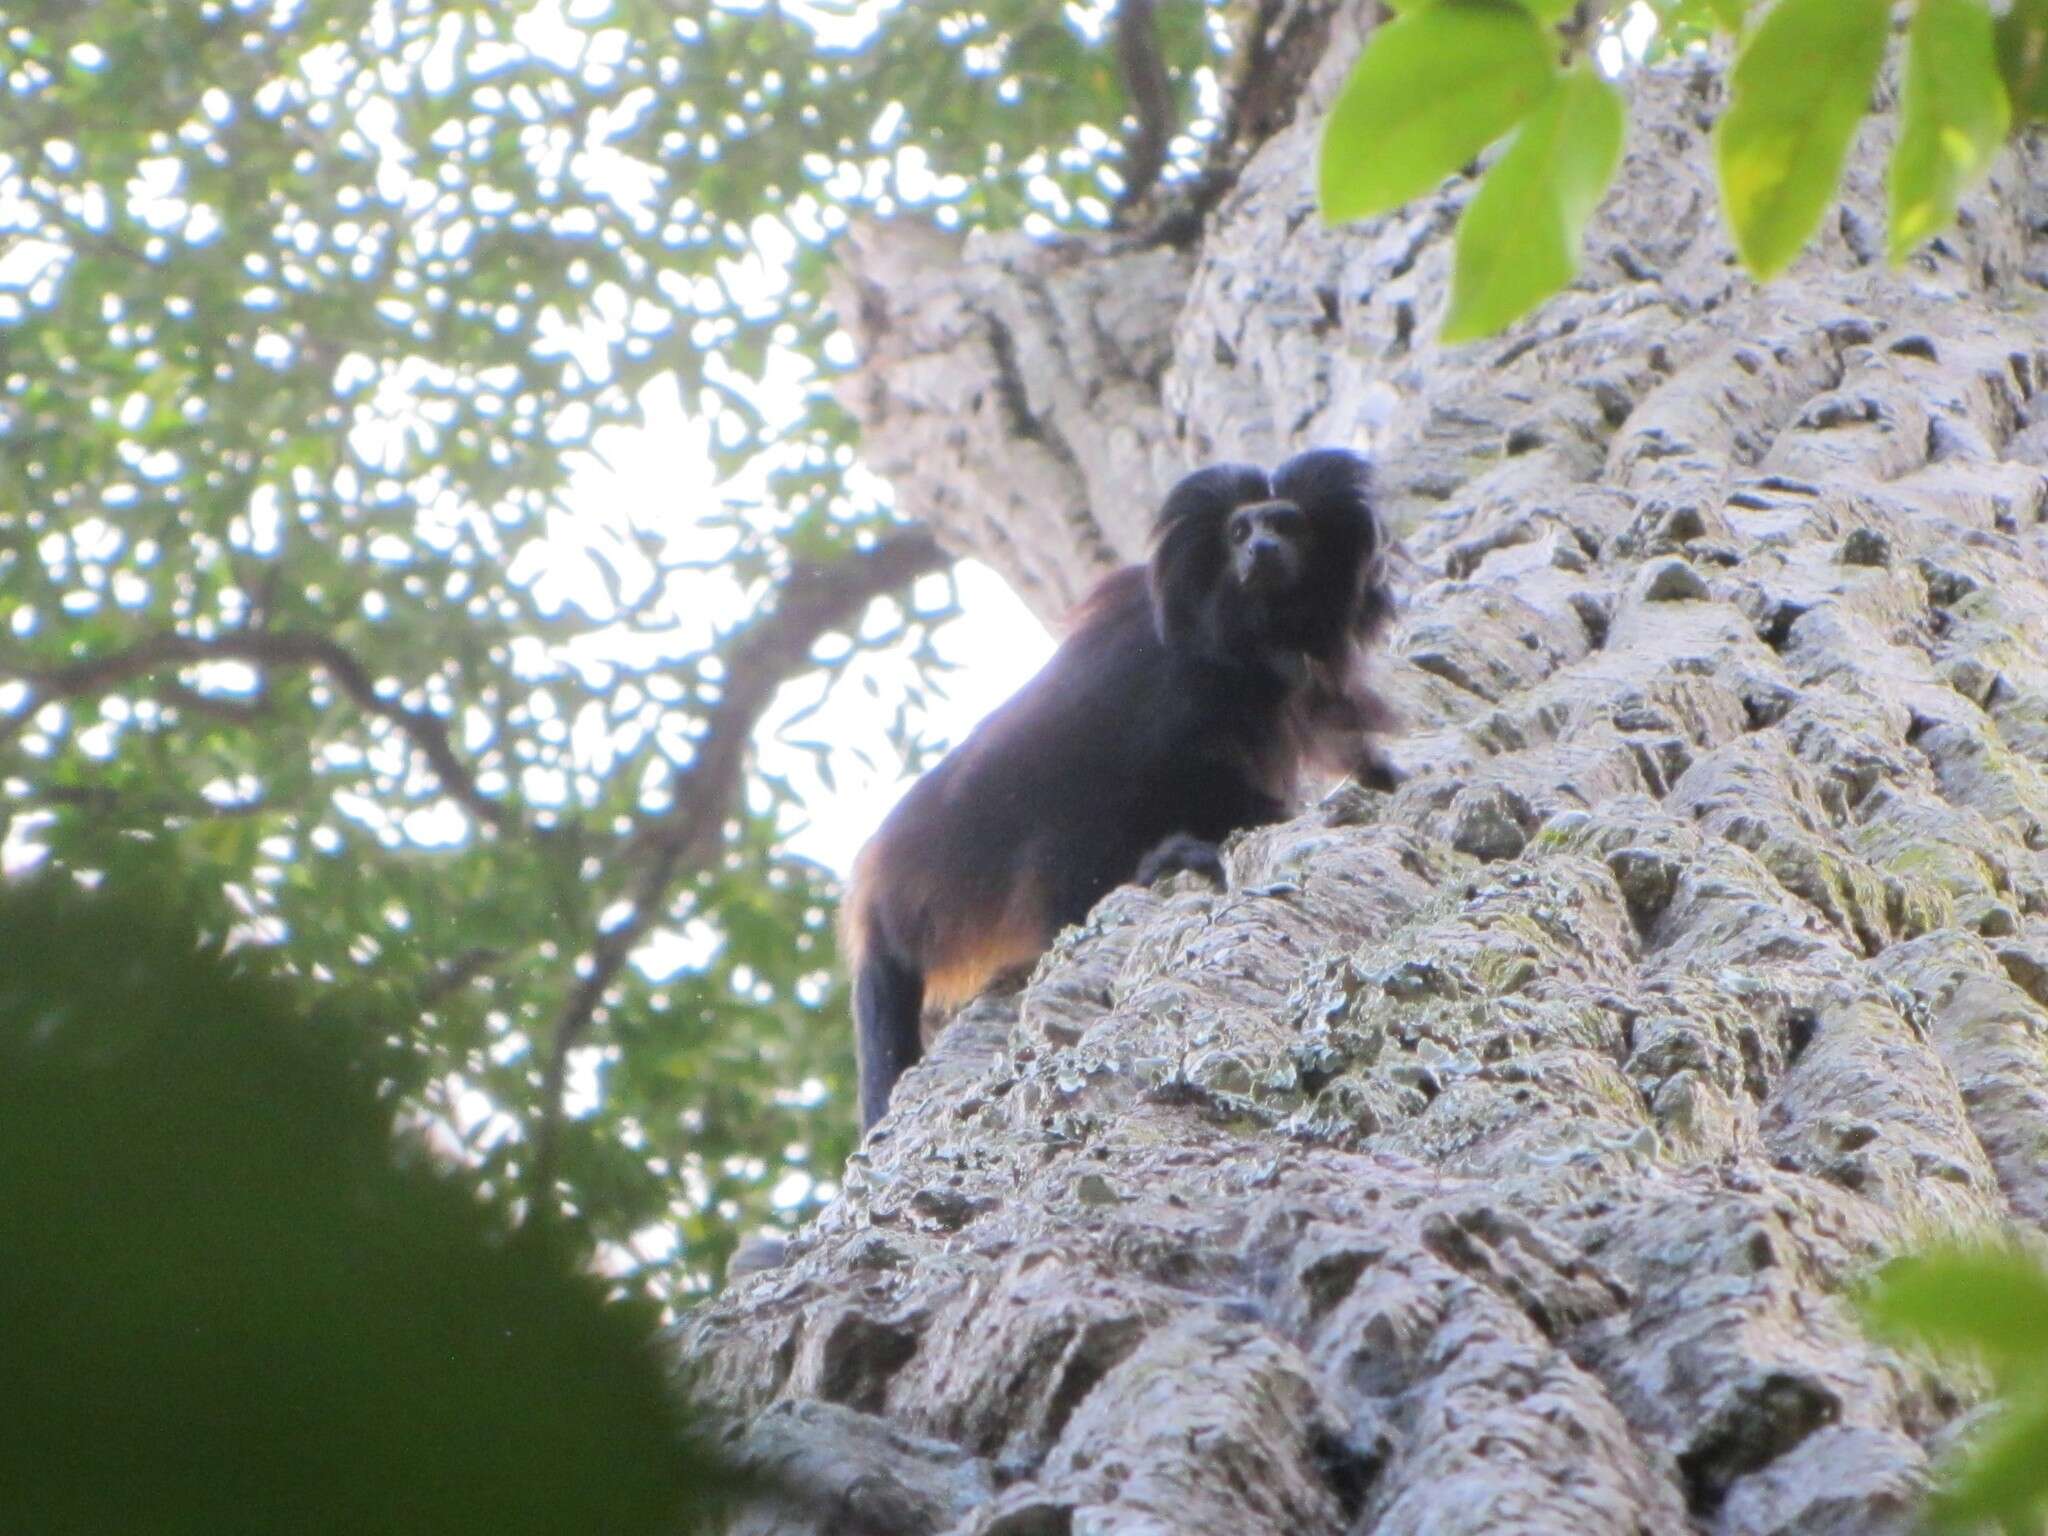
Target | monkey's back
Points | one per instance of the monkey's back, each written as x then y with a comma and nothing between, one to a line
1054,798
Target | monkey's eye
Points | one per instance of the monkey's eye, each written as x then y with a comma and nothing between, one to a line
1240,529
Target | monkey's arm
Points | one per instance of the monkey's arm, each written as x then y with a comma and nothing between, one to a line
1342,716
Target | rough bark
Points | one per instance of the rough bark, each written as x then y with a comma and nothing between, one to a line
1496,1155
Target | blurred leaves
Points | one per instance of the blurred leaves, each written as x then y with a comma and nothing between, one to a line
2022,45
1990,1306
1798,91
1445,79
1518,242
1953,116
235,1303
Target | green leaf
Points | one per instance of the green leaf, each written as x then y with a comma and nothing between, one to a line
2023,58
1953,116
1433,89
1518,242
1800,87
2004,1477
1991,1301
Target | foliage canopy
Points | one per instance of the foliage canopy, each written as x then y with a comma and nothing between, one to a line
312,314
232,1310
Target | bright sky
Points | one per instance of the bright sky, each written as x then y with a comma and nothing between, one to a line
994,646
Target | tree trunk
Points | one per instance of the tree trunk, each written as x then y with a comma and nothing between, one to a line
1496,1155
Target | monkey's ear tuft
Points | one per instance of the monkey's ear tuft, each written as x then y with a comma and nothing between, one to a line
1188,550
1213,493
1328,476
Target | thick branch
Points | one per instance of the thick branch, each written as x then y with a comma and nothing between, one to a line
1150,95
814,601
427,732
1278,47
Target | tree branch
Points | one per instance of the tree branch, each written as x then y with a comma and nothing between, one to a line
814,600
427,732
1150,95
1278,46
219,706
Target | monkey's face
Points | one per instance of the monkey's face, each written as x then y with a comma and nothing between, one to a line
1247,567
1269,546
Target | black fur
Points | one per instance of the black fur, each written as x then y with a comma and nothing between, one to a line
1179,854
886,991
1181,709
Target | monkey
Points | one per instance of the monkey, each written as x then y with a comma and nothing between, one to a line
1190,697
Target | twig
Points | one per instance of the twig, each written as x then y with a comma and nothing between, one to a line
427,732
453,975
108,802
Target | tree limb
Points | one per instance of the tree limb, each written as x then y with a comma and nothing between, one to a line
813,601
1149,93
427,732
1278,46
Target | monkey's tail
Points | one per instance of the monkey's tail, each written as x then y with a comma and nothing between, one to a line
888,1012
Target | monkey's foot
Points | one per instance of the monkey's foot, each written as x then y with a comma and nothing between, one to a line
1184,852
1376,772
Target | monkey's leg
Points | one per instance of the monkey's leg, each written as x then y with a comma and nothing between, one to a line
1183,851
888,1003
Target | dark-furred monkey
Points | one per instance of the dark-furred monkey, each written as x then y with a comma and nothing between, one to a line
1186,702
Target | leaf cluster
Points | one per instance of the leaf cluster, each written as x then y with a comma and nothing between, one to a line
1990,1306
237,1302
1448,78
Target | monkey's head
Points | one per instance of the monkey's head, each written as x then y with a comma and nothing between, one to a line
1249,566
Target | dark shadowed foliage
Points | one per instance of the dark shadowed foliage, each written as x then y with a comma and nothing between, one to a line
234,1302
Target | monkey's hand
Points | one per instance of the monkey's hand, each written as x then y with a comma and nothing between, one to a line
1374,771
1184,852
